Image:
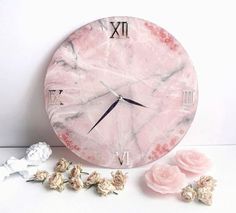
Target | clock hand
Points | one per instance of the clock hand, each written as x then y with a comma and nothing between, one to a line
106,113
111,90
133,102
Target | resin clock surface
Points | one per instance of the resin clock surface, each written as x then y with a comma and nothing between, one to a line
120,92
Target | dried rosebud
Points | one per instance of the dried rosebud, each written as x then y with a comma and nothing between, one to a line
40,176
75,171
93,179
188,193
76,183
119,179
105,187
56,181
204,195
62,165
206,181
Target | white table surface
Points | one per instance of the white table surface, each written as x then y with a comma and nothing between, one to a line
18,196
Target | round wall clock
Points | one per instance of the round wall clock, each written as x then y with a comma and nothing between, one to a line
120,92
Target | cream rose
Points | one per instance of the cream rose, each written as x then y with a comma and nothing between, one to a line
119,179
76,183
105,187
62,165
41,175
56,181
93,179
75,171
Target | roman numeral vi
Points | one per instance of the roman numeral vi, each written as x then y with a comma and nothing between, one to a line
124,158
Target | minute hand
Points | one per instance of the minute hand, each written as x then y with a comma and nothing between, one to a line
133,102
105,114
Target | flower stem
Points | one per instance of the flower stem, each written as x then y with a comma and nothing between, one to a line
86,173
36,181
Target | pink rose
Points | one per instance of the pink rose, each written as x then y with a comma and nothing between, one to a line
192,161
165,179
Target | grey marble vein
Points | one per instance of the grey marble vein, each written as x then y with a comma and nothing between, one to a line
169,75
74,116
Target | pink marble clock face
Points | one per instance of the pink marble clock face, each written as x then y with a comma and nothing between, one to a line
120,92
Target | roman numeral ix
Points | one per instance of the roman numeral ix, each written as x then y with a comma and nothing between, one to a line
54,97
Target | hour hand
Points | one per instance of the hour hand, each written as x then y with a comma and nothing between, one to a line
133,102
105,114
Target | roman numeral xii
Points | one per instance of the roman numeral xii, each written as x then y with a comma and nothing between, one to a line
120,29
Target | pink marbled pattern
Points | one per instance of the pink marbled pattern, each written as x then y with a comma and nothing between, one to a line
150,67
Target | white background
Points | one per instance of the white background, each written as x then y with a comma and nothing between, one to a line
30,31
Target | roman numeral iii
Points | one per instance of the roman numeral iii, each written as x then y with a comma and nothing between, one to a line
188,97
